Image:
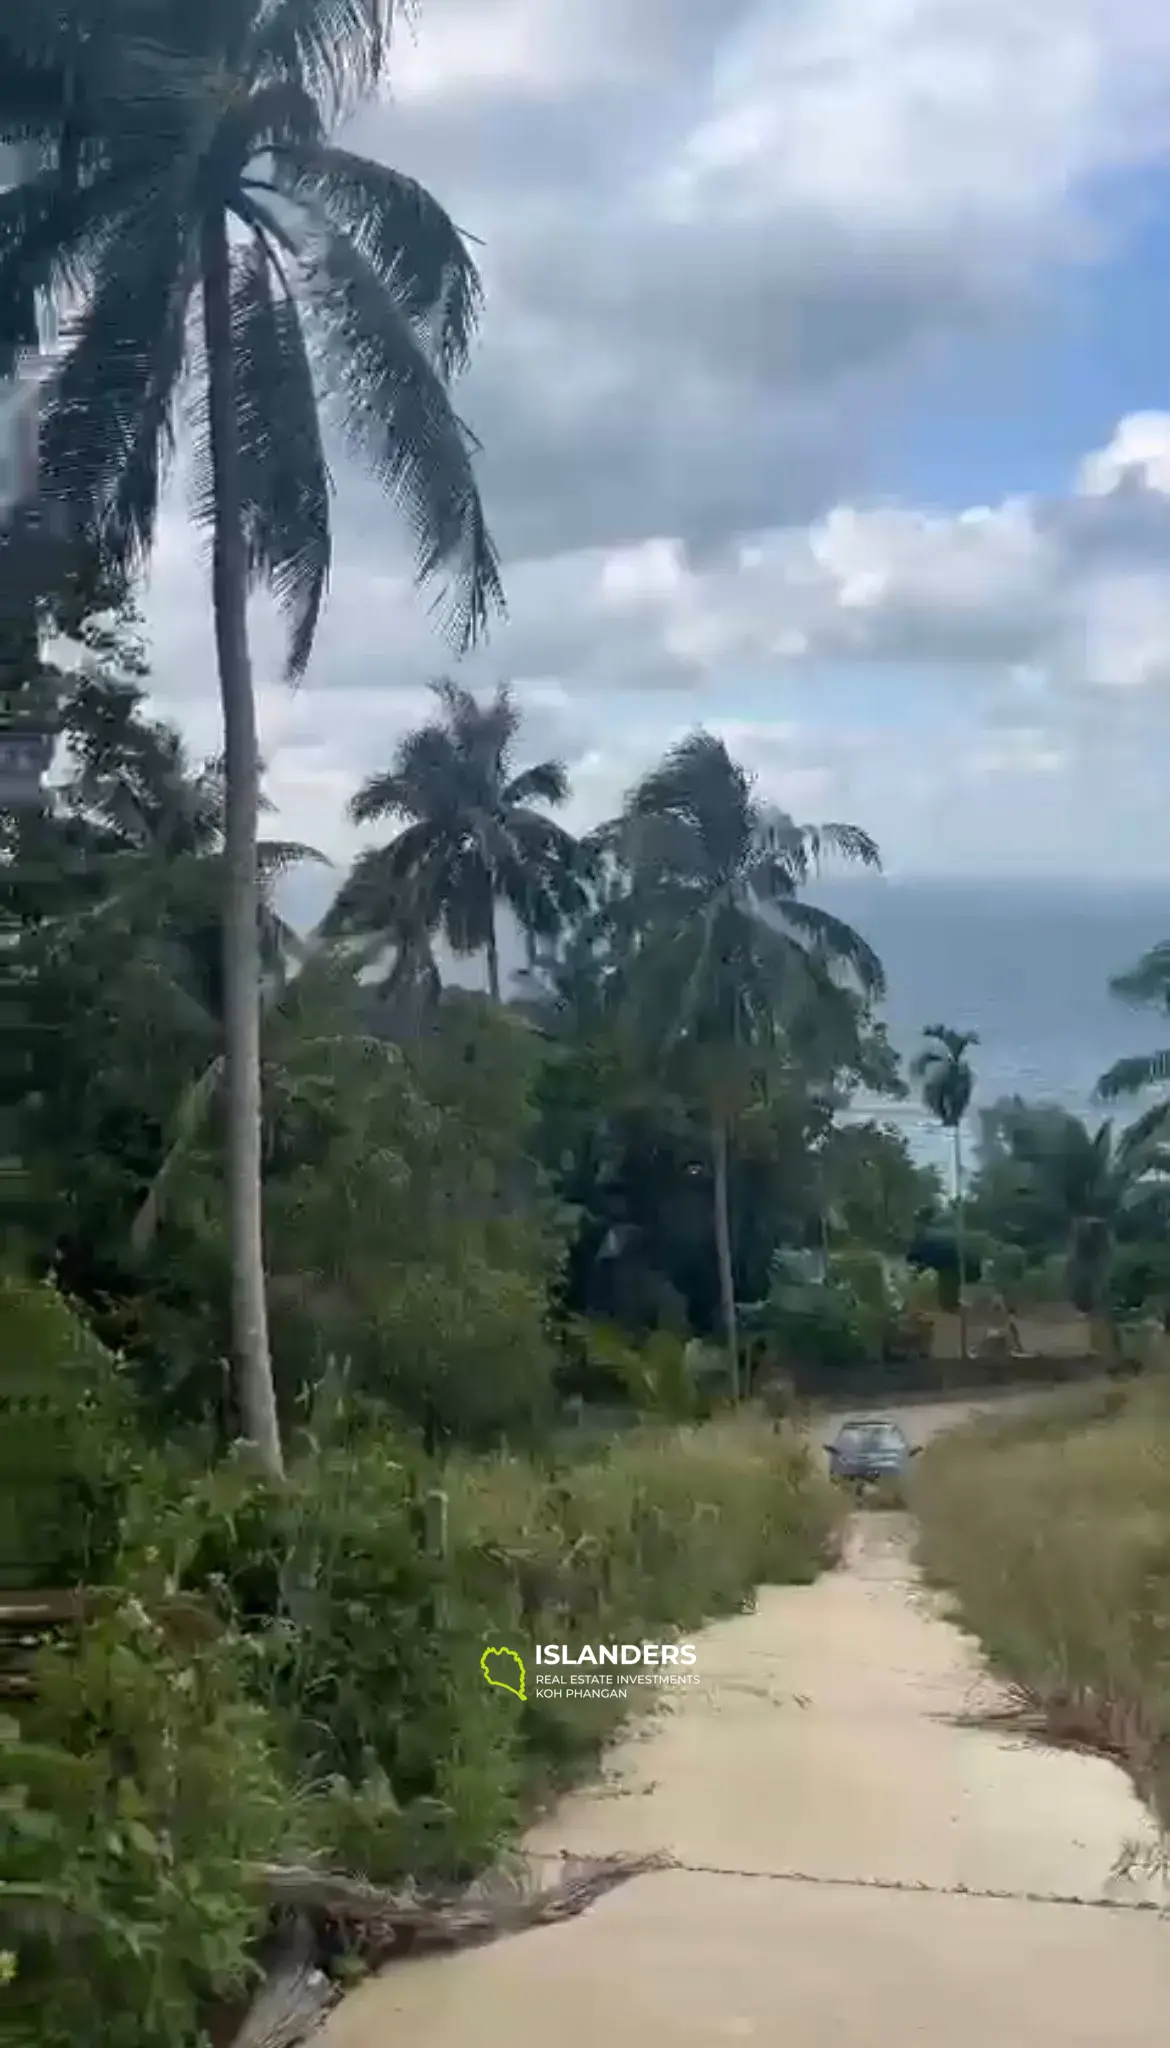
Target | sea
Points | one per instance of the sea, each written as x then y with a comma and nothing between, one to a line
1025,964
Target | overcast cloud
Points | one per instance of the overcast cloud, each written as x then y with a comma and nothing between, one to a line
724,245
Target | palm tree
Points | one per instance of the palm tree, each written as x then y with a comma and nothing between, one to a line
724,955
1080,1185
203,237
473,838
147,827
1146,987
948,1079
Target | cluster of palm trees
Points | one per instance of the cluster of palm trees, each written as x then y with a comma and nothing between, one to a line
1066,1182
689,903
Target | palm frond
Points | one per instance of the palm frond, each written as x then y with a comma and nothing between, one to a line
275,114
547,783
285,481
396,411
380,883
189,1120
409,241
1147,985
1129,1076
836,943
849,842
106,418
336,49
699,784
418,786
50,237
277,857
1144,1129
1142,1133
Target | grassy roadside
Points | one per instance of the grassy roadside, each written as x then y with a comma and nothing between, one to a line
1051,1530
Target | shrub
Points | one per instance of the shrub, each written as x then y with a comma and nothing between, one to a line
360,1647
140,1788
652,1374
66,1441
366,1649
294,1669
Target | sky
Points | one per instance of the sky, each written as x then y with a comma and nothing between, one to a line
824,394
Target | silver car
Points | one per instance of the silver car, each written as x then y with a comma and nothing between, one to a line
869,1449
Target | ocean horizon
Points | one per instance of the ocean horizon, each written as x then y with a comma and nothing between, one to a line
1026,964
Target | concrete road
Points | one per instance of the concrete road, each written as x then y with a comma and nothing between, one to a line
858,1866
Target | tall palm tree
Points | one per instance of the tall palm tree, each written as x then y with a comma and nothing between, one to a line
948,1079
723,952
203,237
474,837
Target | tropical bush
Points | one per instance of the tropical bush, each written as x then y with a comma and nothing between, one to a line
136,1797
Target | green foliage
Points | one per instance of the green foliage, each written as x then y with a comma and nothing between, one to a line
863,1273
652,1374
1139,1280
283,1669
876,1193
1005,1272
133,1800
935,1249
66,1442
817,1327
363,1649
1049,1185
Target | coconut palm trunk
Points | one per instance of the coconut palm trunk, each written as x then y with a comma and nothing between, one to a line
241,922
722,1201
961,1241
493,956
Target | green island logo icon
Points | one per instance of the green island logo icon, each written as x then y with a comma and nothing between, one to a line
513,1681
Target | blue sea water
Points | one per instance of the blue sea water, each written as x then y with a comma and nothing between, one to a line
1025,965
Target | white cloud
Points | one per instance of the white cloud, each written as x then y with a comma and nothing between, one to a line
926,114
1138,454
720,239
1017,613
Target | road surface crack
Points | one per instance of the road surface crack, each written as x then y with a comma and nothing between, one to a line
916,1888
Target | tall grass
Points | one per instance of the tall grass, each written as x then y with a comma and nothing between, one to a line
1052,1530
671,1528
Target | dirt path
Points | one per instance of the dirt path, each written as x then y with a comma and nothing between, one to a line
857,1867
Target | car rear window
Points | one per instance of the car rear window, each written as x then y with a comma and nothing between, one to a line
871,1436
